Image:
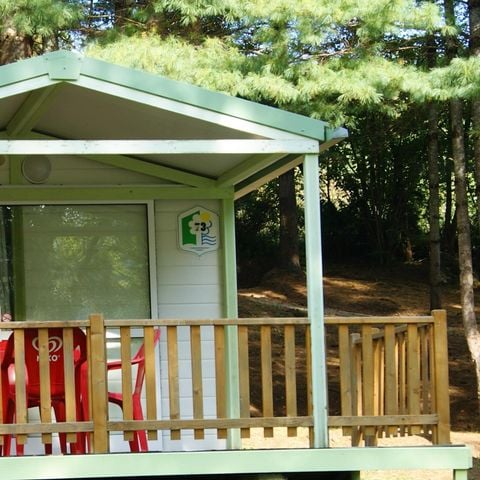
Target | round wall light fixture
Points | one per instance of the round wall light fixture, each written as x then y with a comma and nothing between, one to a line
37,168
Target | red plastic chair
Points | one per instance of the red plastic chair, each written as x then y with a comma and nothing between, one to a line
139,442
32,376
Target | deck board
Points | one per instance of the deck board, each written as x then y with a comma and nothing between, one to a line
160,464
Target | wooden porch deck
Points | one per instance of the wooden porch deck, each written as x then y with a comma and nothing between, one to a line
391,374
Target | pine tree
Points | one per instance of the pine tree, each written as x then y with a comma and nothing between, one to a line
32,27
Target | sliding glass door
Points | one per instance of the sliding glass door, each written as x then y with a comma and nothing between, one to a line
68,261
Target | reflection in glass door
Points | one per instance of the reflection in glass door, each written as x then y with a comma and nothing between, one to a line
73,260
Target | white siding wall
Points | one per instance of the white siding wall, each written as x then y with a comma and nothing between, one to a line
189,286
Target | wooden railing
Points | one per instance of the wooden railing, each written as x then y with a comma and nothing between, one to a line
393,378
252,334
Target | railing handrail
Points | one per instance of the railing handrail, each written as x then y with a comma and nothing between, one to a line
355,320
329,320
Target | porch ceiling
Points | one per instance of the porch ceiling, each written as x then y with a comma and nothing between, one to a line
65,96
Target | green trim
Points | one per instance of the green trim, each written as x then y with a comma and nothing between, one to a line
63,65
334,139
337,134
231,311
313,254
25,86
153,170
269,173
246,168
22,70
39,194
157,464
30,111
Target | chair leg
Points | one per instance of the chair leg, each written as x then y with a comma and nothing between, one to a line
134,446
59,409
77,447
7,439
141,435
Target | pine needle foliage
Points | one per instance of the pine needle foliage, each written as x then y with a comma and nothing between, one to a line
43,18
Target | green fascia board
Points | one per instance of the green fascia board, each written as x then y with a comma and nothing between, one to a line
59,65
228,462
41,193
205,99
333,136
22,70
68,66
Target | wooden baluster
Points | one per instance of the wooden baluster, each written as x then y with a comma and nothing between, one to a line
69,373
150,378
45,394
290,376
244,377
357,387
173,380
197,387
220,377
99,384
368,380
413,375
126,371
391,376
20,386
425,377
346,374
267,377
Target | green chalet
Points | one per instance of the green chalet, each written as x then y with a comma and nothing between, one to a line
126,356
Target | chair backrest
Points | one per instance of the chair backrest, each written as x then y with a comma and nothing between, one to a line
56,357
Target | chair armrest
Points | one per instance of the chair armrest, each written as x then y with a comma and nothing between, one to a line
116,364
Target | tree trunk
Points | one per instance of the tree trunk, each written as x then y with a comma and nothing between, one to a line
464,241
14,47
474,44
434,208
289,248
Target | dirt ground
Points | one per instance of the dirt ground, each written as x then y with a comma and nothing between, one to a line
387,291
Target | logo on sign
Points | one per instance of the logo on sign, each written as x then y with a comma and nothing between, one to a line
55,344
198,230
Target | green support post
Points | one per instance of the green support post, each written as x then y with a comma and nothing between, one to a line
313,247
231,311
